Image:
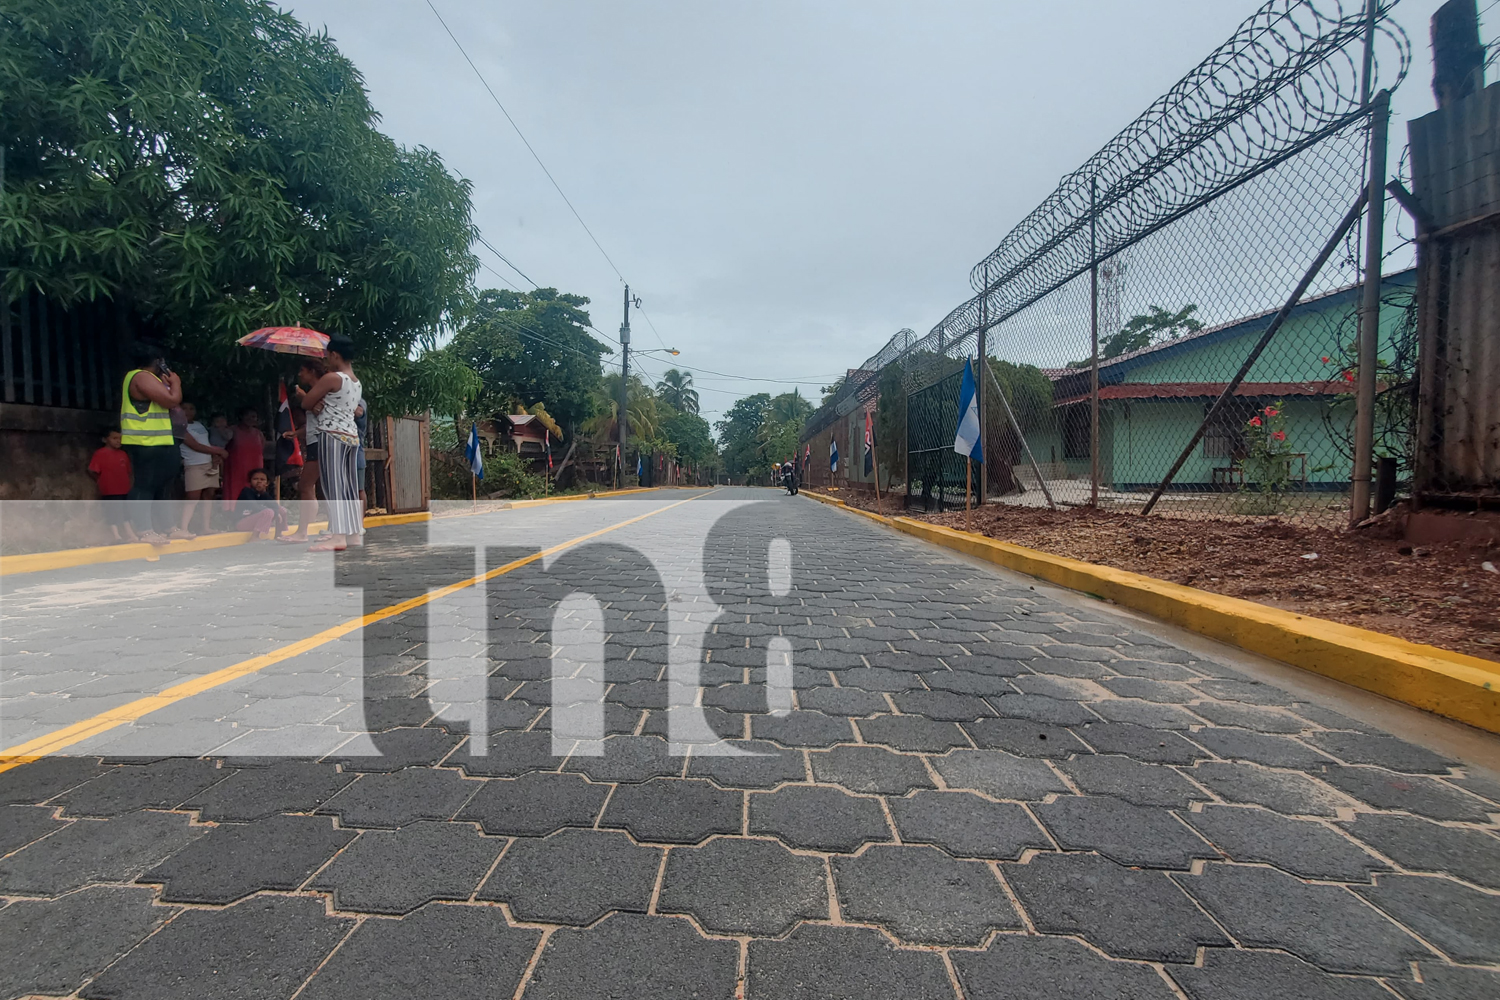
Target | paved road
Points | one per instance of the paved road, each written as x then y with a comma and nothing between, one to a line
829,762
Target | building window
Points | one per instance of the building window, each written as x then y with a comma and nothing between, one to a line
1224,436
1077,431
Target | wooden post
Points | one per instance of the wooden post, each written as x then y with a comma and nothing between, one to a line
474,482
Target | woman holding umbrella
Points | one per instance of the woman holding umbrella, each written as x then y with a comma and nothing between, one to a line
334,398
283,340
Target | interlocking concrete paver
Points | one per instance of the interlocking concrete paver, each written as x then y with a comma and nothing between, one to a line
1144,743
264,947
674,810
1129,779
998,774
967,826
1040,708
835,963
1257,975
1421,845
1459,921
1326,925
1103,903
1296,846
1029,739
817,818
159,785
1284,791
1450,982
911,733
889,785
1130,834
1267,749
442,950
388,801
20,825
922,895
738,886
1430,797
872,769
113,850
233,861
629,955
573,877
256,792
1016,967
53,947
535,805
396,872
1382,751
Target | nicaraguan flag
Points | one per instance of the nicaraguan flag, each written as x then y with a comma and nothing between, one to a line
967,441
869,442
833,456
639,468
476,461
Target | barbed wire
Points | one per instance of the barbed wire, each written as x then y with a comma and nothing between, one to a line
1289,77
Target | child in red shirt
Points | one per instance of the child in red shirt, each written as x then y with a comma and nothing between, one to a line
110,471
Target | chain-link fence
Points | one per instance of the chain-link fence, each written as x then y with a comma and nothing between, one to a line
1174,249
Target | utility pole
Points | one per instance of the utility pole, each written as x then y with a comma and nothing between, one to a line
624,421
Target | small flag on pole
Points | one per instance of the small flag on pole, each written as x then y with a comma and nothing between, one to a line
547,446
807,456
833,456
967,440
639,468
869,442
284,423
476,461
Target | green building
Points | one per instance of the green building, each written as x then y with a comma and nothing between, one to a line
1153,399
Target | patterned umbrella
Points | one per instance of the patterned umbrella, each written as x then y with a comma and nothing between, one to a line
287,340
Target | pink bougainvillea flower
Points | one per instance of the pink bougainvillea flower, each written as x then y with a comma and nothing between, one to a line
1255,421
1326,359
1270,411
1348,376
1278,435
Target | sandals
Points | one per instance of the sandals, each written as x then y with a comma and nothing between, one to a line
179,535
325,547
153,538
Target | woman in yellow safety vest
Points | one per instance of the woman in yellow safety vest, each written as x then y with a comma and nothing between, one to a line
149,391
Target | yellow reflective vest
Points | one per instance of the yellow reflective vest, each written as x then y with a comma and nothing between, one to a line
154,427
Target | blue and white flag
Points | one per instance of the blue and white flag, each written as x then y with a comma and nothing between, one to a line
833,456
639,468
967,441
476,461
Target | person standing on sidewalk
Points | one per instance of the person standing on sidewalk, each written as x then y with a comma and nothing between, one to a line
334,398
201,466
149,391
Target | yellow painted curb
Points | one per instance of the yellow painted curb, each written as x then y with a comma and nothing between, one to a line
1440,681
37,562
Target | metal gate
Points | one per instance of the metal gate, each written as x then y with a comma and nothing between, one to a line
406,466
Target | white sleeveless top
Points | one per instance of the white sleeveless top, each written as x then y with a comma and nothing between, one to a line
337,418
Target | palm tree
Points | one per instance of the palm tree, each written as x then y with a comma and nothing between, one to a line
676,390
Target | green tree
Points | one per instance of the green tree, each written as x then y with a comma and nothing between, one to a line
890,420
739,432
676,390
692,437
1147,328
532,347
1028,390
214,167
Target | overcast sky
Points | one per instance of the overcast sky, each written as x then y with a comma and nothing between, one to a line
785,185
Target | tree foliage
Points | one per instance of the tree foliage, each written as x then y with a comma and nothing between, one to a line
529,348
214,167
676,390
1028,390
739,432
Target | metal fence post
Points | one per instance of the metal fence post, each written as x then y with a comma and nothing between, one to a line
1369,314
984,315
1094,339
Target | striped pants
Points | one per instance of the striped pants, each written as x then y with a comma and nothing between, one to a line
339,477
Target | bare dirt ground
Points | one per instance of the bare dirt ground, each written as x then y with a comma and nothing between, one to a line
1440,594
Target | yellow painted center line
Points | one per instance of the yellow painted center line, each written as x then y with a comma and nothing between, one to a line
61,739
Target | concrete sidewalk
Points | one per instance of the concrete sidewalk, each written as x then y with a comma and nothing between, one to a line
978,790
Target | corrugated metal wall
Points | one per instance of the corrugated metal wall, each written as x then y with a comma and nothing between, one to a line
1455,155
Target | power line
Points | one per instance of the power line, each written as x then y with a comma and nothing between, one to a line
524,140
490,247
